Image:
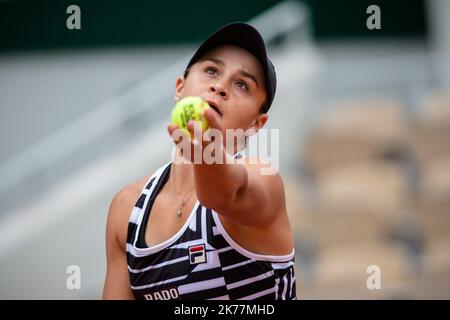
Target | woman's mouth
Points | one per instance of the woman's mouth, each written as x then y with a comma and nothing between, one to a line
213,106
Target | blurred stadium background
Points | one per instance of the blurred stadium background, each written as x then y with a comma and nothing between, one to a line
364,140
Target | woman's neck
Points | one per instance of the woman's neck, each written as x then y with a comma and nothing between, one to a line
181,178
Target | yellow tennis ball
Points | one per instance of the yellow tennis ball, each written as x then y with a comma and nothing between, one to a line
189,108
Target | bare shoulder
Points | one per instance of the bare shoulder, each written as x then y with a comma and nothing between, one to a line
269,182
129,193
261,201
268,175
259,212
120,209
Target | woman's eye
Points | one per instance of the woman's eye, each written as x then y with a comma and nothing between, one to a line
211,70
242,85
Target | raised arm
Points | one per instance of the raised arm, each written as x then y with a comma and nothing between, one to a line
238,191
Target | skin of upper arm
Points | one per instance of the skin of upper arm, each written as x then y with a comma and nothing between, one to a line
259,201
117,283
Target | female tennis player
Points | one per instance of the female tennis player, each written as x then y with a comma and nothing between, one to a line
208,230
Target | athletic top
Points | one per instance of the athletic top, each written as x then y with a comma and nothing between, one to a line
201,261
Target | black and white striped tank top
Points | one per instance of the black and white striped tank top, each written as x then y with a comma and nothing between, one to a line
201,261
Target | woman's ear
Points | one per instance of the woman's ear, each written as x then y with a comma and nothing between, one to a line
179,86
258,123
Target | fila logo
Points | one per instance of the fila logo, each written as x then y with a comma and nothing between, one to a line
197,254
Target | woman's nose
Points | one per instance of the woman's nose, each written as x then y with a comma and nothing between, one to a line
219,89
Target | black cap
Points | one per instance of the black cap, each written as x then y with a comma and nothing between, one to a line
245,36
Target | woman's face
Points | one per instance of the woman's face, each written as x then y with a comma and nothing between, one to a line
231,80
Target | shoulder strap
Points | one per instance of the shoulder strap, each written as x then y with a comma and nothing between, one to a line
147,197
